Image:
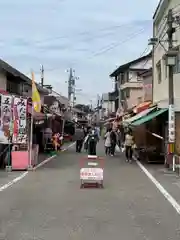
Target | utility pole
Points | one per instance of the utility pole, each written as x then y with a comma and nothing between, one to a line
170,62
170,32
42,75
70,85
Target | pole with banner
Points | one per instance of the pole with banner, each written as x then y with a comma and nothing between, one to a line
31,139
36,106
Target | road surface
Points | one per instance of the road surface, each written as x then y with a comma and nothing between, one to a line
49,204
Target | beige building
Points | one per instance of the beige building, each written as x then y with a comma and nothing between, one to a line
129,84
160,71
14,82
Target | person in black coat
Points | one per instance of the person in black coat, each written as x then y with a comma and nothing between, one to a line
113,138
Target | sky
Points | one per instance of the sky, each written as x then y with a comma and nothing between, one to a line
92,37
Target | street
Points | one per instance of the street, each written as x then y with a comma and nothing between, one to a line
49,204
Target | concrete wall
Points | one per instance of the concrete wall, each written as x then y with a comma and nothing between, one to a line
160,89
136,97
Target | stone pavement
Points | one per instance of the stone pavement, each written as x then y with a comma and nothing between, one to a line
49,204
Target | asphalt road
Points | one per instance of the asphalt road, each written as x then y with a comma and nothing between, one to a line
49,205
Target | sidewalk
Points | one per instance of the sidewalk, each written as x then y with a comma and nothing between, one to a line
167,178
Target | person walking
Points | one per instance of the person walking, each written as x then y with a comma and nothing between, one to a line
129,142
79,136
119,138
113,138
92,142
107,142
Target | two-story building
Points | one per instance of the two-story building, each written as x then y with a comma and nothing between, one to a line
129,86
160,70
14,82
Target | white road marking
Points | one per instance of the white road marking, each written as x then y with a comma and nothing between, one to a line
21,176
15,180
50,158
170,199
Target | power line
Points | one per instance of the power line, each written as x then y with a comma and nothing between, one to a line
110,46
86,32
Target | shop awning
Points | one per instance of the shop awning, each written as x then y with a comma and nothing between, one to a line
137,116
149,117
142,106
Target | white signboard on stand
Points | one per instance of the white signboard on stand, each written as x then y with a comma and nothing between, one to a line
95,174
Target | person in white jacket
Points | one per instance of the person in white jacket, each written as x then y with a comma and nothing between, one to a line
107,142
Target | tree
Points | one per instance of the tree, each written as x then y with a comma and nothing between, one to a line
84,108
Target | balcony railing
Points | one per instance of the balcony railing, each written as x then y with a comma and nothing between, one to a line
131,85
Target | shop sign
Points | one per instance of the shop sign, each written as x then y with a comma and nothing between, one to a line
6,118
91,174
20,121
171,124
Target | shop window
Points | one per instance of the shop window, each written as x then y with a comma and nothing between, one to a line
158,68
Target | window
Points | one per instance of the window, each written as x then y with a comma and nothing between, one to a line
158,68
13,87
177,66
127,93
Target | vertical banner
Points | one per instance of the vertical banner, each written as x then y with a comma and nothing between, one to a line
171,124
6,118
20,120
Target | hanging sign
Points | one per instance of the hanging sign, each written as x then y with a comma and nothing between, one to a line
171,124
20,120
6,118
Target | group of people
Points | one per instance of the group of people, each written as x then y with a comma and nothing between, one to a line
114,138
88,137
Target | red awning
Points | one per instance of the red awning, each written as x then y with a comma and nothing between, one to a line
142,106
36,115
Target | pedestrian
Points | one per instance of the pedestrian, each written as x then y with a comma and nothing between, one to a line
79,136
113,138
107,142
119,138
92,142
129,142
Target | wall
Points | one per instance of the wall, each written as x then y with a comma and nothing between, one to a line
147,88
109,107
3,80
160,90
136,97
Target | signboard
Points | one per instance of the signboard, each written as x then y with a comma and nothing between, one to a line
95,174
6,118
171,124
20,121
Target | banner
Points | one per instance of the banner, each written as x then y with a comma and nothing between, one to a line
6,118
19,120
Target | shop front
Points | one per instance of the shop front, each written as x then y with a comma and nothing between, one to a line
149,131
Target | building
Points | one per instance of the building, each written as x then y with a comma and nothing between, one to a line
108,106
160,71
147,82
129,86
14,82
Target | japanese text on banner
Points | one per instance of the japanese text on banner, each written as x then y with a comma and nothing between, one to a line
20,120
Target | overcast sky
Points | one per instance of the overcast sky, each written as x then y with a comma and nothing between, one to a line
93,37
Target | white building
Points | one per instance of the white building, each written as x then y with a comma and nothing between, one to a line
129,85
107,106
160,71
